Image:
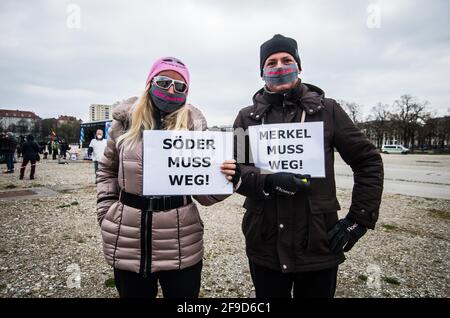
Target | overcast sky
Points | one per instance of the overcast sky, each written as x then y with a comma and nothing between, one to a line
53,67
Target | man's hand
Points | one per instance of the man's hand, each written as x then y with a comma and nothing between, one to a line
286,183
344,235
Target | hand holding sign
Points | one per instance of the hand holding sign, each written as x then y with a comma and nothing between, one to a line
187,162
291,147
286,183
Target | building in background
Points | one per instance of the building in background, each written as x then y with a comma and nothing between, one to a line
63,119
17,120
430,134
98,112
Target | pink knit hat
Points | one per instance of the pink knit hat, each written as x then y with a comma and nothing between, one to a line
168,64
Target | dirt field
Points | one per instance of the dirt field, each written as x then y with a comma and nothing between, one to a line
46,241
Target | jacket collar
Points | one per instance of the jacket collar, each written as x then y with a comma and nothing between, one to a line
309,98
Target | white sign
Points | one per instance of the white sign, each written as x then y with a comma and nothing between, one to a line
292,147
186,162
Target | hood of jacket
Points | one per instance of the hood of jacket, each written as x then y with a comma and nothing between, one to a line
309,98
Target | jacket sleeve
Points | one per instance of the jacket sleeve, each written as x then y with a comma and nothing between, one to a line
252,181
365,160
106,177
199,123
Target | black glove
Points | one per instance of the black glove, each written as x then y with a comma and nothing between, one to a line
345,233
286,183
237,175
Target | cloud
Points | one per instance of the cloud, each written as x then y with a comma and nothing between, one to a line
51,92
48,67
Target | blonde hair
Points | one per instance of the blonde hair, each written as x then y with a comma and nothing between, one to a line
141,117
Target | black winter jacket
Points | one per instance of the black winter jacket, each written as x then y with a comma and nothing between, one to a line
290,233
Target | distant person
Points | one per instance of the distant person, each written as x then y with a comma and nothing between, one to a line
50,148
19,146
46,150
55,149
97,147
64,148
9,148
2,144
30,153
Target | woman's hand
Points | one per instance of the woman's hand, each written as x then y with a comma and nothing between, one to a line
231,171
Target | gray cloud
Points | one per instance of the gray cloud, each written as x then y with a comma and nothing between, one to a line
51,69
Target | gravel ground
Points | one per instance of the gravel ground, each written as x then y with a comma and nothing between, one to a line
45,242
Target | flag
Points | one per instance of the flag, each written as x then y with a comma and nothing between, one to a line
107,127
81,135
53,135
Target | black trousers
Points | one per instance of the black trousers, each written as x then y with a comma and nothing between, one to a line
274,284
24,165
184,283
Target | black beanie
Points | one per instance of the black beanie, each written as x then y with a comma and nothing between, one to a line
278,43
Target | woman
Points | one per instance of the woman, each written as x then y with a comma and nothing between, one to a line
164,245
30,153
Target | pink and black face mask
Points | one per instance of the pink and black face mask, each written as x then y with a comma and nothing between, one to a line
280,75
165,101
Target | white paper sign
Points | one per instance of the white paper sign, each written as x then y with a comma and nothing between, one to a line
186,162
290,147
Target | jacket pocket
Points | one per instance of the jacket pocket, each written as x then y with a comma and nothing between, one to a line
109,215
252,222
324,204
322,218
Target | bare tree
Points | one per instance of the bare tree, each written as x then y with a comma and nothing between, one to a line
443,132
427,133
408,115
379,122
36,128
353,110
23,127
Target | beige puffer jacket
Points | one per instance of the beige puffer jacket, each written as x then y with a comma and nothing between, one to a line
137,241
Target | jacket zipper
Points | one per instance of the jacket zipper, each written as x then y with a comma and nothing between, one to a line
179,243
145,244
145,251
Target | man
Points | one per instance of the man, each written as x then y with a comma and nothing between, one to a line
30,153
64,148
294,240
55,149
97,148
9,145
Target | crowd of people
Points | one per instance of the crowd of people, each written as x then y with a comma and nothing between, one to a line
26,147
